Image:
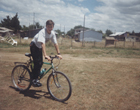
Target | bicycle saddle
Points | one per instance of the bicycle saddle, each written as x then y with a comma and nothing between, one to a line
28,54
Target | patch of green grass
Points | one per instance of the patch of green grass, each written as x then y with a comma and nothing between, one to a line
78,51
5,45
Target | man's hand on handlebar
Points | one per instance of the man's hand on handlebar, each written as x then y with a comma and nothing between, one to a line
59,56
47,57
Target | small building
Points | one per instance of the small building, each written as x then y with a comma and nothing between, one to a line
109,41
29,33
132,38
4,31
125,36
120,36
90,36
78,30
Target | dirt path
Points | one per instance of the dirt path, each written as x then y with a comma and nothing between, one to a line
16,57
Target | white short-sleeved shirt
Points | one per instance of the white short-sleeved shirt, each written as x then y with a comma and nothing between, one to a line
42,36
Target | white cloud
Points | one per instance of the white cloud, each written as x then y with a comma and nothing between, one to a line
80,0
116,15
64,14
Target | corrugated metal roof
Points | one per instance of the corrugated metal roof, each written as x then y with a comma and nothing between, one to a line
88,31
3,29
117,34
109,38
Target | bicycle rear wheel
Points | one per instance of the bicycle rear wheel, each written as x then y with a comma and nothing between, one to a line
21,77
59,86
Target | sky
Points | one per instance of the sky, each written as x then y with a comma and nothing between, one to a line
115,15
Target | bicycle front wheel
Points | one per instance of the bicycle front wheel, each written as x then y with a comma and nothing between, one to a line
21,77
59,86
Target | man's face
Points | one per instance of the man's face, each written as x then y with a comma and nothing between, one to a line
49,28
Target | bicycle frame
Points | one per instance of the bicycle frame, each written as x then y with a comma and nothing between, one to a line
52,67
29,65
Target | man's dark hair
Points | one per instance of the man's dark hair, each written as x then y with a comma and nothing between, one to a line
49,22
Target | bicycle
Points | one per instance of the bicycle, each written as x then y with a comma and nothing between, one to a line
58,84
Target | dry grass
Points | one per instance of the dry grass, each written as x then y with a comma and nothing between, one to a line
99,83
24,41
120,44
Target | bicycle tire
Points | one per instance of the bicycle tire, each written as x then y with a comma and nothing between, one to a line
21,78
57,82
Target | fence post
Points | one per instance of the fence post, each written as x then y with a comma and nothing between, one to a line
124,44
133,44
94,43
115,44
71,42
105,43
61,41
20,39
139,42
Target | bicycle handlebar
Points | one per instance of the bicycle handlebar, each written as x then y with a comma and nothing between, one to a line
53,57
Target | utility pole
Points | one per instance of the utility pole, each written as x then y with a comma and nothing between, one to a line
83,31
29,20
33,19
29,27
64,30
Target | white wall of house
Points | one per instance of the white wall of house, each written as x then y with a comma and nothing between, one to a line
131,38
90,36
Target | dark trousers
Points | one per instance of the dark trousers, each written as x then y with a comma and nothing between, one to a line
37,59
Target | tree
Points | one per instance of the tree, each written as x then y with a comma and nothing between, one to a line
38,25
108,32
133,32
70,32
6,22
100,31
25,28
79,26
34,26
59,32
11,23
15,24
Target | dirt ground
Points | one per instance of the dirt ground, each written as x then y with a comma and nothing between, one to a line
100,83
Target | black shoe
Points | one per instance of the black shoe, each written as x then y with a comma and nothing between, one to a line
36,83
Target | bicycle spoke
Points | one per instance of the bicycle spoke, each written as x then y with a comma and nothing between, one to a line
21,77
59,86
55,78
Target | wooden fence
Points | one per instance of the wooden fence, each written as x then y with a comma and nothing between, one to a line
117,44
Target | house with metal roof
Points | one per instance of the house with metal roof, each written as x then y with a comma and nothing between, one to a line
120,36
90,36
125,36
4,31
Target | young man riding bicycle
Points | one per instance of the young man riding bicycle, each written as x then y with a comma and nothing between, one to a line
37,47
